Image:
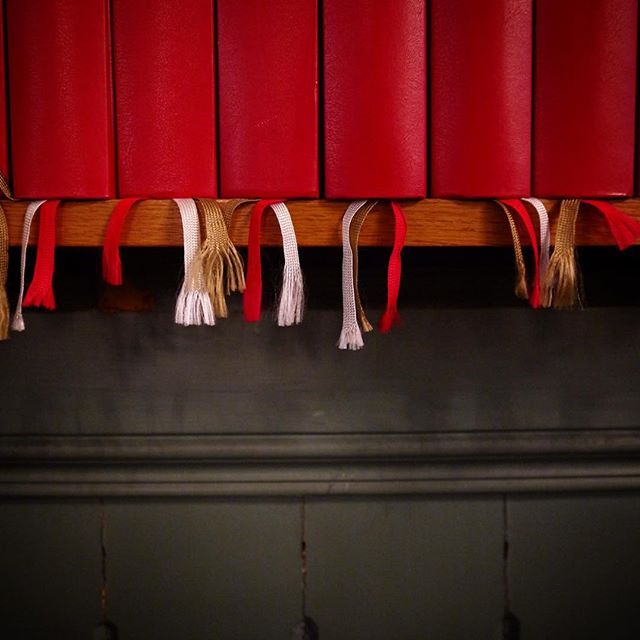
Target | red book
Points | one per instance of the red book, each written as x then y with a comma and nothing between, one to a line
375,77
481,84
268,98
585,97
165,97
61,98
4,153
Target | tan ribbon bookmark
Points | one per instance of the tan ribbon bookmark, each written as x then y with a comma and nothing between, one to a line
354,237
4,269
5,188
521,269
563,287
220,261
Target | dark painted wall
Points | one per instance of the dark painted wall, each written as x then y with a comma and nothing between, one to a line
468,358
379,568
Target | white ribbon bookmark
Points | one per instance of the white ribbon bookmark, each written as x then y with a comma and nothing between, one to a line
193,306
350,336
545,236
291,306
32,208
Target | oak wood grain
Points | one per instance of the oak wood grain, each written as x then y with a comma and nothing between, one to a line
431,223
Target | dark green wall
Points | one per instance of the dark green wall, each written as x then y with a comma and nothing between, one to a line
469,359
379,568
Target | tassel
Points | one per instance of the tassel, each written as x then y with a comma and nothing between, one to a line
111,265
545,241
391,316
350,335
193,306
40,291
562,287
521,211
521,290
4,270
220,261
18,321
306,630
354,238
624,229
291,297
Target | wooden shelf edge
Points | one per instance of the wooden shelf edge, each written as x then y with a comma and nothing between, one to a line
431,223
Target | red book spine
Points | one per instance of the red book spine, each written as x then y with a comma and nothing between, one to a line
4,124
375,98
268,98
61,98
585,97
481,86
165,98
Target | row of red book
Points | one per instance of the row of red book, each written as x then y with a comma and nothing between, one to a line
309,98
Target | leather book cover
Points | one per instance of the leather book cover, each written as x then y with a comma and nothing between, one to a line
60,90
375,111
164,73
481,93
585,97
268,97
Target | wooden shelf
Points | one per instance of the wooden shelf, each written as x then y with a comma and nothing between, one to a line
431,223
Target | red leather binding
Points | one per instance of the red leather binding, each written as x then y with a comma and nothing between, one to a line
61,98
584,103
165,98
4,124
375,98
481,84
268,74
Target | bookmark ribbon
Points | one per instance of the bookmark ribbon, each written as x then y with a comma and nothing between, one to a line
4,270
17,323
523,214
40,291
220,261
291,297
111,264
193,306
563,287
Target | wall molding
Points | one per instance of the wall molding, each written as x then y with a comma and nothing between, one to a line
319,464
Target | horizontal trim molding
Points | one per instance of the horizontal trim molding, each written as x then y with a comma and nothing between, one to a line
334,464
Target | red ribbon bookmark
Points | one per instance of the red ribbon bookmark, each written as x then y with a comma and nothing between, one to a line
252,299
523,214
394,273
111,265
40,292
624,229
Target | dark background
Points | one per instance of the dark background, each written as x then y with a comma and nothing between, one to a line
469,357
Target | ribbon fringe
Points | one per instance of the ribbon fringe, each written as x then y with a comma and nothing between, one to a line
562,282
562,286
350,337
291,307
220,262
194,308
193,305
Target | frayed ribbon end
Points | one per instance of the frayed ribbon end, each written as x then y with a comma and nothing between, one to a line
17,324
194,308
350,338
291,307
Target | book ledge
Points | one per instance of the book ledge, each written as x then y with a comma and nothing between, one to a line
431,223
